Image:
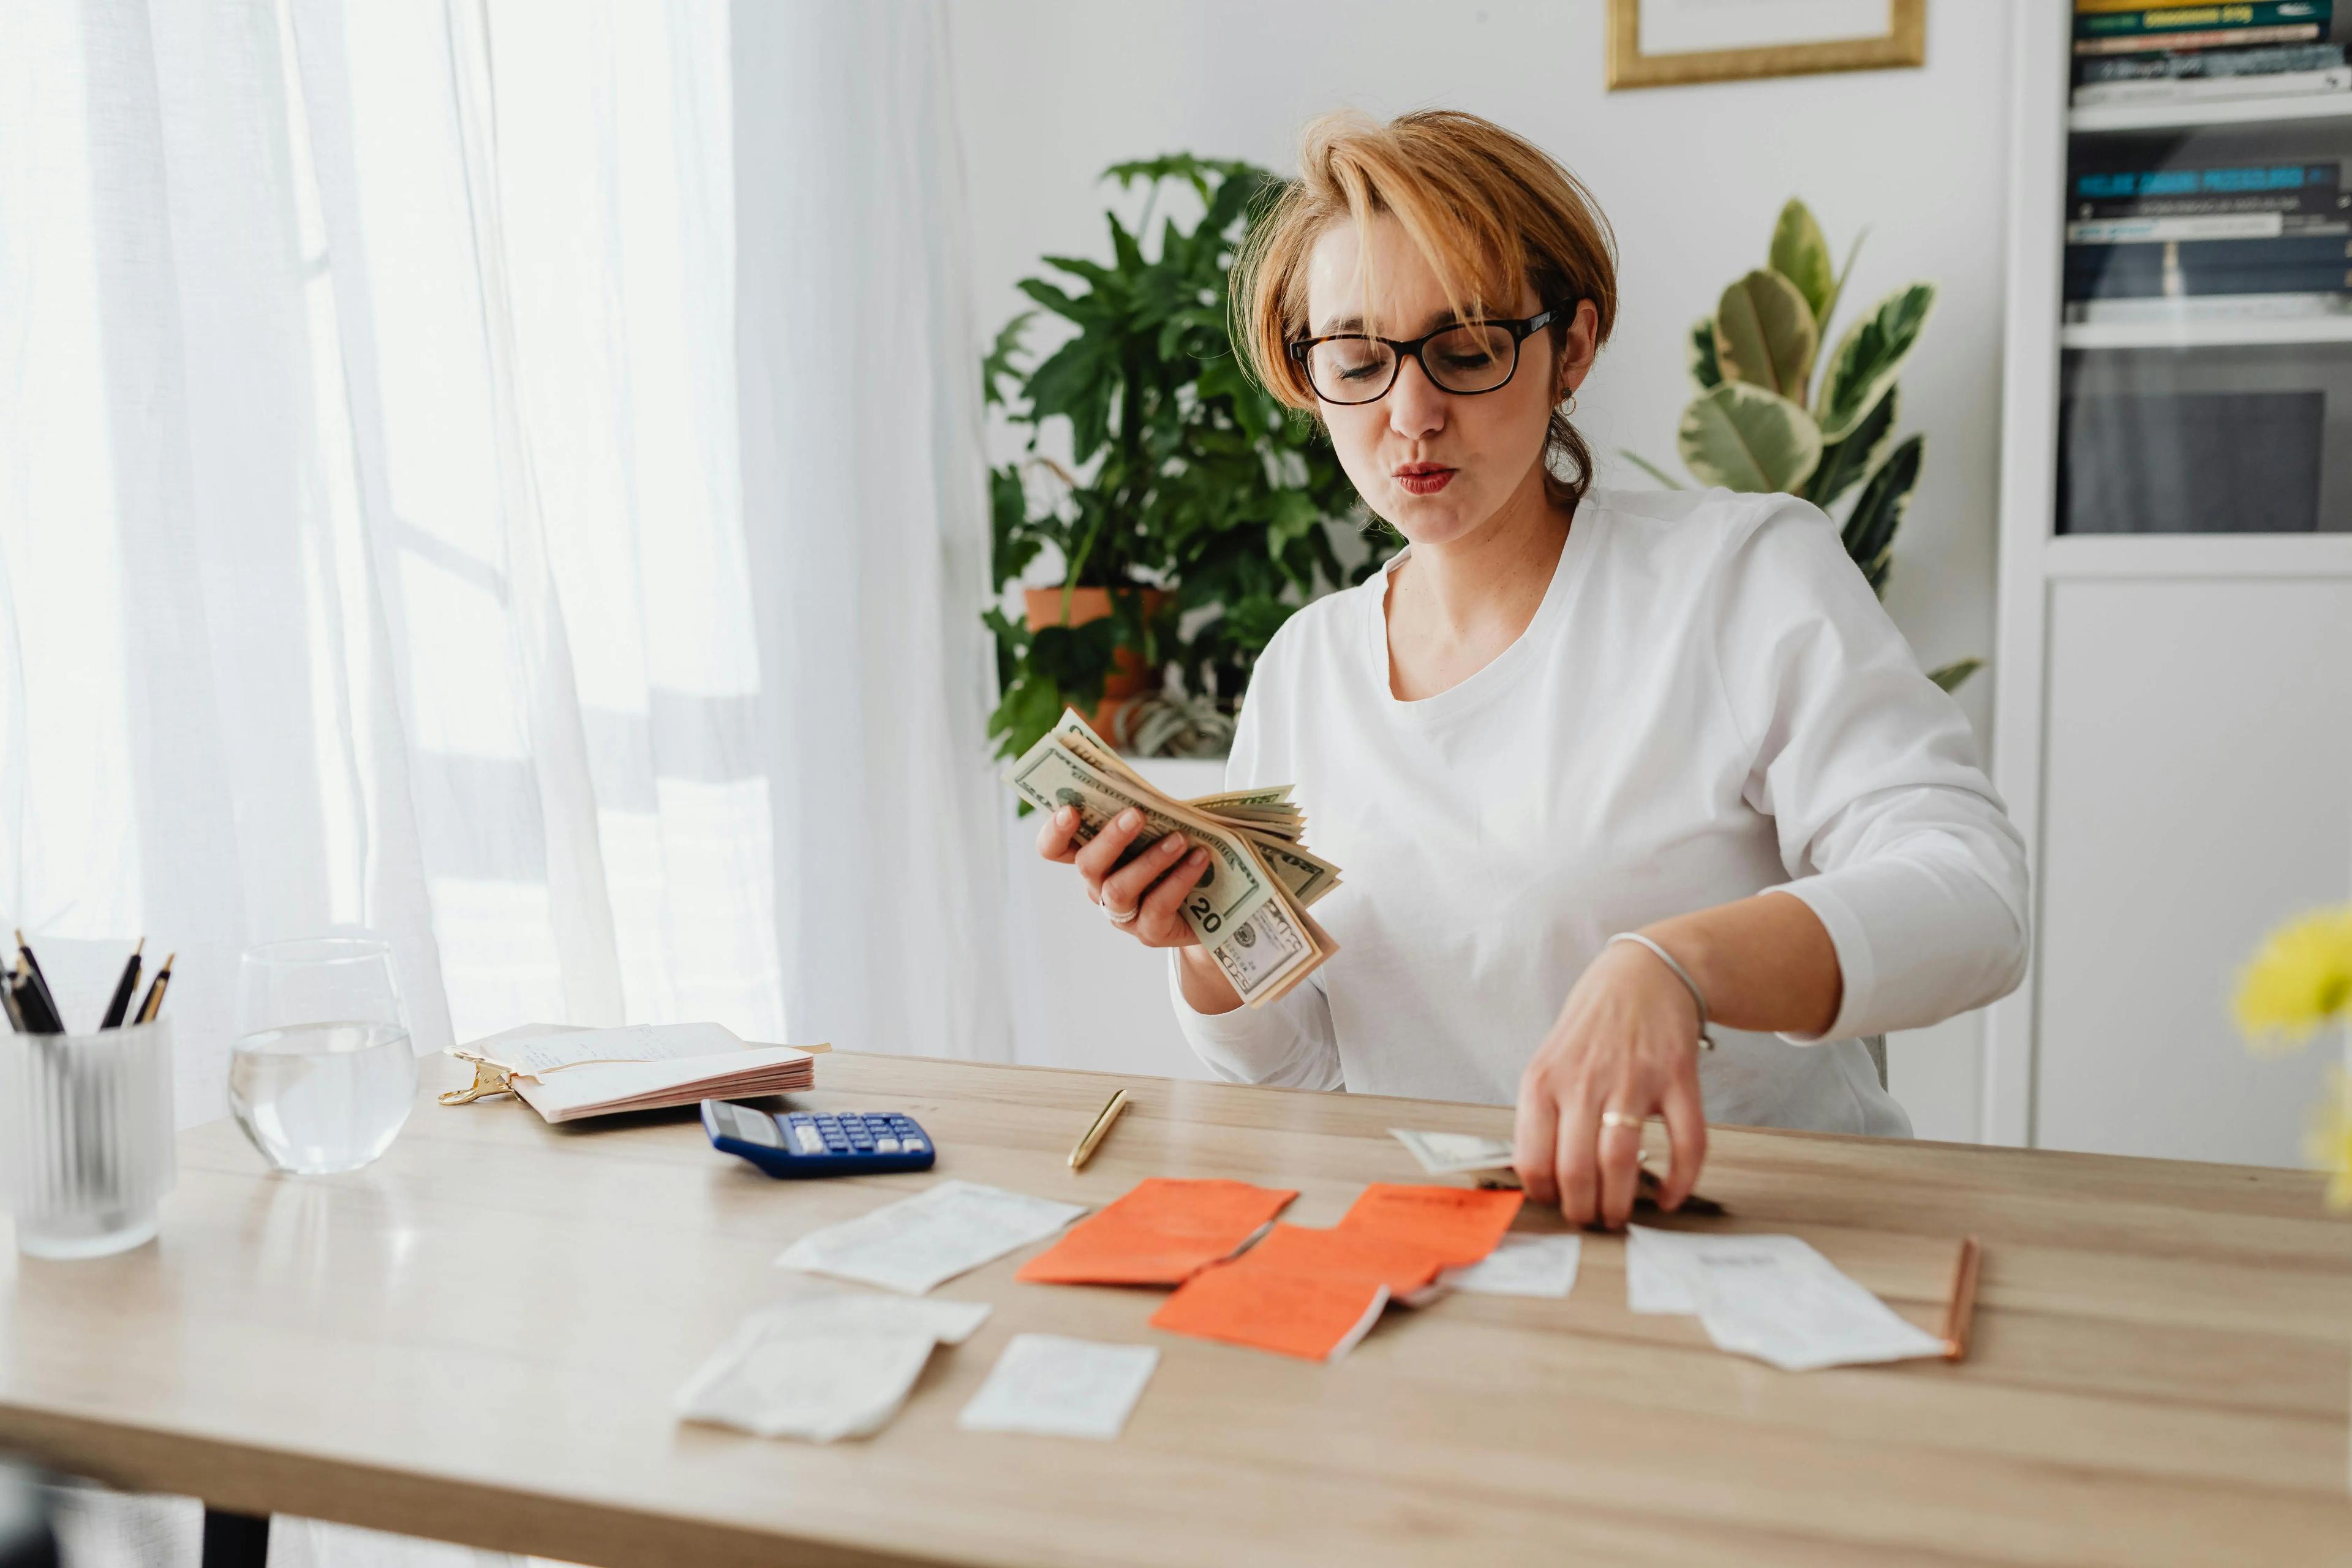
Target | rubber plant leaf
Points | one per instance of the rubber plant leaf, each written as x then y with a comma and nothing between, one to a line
1950,676
1869,357
1844,463
1699,354
1746,439
1800,254
1764,334
1870,531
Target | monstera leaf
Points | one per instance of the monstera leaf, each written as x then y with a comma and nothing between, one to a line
1800,254
1764,334
1699,354
1868,358
1746,439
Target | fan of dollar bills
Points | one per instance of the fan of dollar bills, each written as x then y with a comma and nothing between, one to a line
1249,909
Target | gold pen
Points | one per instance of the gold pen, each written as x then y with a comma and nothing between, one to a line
1097,1132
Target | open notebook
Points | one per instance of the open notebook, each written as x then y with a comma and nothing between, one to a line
565,1073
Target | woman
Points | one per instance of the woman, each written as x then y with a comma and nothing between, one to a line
1609,773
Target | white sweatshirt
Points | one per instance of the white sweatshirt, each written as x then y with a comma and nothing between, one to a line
1708,703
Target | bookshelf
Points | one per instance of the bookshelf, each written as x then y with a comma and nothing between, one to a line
2173,709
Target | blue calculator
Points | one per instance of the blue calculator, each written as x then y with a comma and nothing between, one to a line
819,1143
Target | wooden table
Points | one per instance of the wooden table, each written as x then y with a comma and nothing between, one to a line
479,1338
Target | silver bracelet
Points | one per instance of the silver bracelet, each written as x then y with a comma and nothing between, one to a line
1705,1040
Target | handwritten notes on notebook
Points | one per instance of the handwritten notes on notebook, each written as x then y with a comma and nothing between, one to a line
825,1365
1771,1297
1161,1232
922,1241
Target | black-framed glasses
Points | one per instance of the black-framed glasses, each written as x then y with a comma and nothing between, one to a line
1466,359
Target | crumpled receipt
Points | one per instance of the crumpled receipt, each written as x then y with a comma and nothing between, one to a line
825,1365
915,1243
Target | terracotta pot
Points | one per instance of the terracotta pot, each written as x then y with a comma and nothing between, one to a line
1129,677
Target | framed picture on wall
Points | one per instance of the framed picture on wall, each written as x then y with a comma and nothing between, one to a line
1666,43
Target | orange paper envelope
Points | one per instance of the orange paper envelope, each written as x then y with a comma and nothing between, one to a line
1461,1224
1162,1232
1406,1267
1314,1318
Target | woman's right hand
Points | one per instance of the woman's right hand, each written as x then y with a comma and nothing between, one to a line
1145,898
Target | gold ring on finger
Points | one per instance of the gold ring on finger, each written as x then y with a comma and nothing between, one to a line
1619,1118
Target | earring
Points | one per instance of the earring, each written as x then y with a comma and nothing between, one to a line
1570,412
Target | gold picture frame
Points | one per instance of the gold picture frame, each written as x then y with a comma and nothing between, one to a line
1904,44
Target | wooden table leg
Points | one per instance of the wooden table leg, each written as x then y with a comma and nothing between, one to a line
235,1540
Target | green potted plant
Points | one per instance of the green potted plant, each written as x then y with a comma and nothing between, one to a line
1191,518
1754,427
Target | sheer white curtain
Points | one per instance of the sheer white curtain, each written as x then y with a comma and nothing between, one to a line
505,475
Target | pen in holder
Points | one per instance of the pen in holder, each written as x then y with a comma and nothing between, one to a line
86,1139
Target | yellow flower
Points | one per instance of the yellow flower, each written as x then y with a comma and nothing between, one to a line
2328,1145
2300,979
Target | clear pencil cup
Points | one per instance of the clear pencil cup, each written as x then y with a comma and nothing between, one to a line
86,1139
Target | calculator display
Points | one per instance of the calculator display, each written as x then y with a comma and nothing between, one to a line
751,1126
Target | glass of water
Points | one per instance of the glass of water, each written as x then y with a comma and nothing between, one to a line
323,1076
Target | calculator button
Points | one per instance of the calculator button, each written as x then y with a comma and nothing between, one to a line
808,1139
886,1145
838,1144
912,1145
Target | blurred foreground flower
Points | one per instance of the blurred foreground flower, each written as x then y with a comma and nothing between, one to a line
2328,1145
2300,979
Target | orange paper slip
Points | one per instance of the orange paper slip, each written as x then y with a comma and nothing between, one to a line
1264,1309
1356,1257
1162,1232
1461,1224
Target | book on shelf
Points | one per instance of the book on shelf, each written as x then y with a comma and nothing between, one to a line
2140,28
2307,190
2216,254
2302,33
2190,312
2217,89
2133,283
2201,226
2168,64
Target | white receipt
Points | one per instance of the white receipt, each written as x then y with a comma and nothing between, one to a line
1663,1268
1771,1297
1521,1266
1800,1316
824,1365
922,1241
636,1043
1061,1387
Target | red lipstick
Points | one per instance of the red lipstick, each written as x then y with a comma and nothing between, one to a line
1423,478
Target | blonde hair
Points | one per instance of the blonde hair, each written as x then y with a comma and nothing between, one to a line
1488,209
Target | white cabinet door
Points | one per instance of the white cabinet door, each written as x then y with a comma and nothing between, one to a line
2198,789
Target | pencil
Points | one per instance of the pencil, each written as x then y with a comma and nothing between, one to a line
1961,1317
1100,1129
124,989
155,988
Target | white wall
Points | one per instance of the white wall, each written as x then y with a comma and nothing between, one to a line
1049,91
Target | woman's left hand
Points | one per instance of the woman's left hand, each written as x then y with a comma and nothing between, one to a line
1626,1044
